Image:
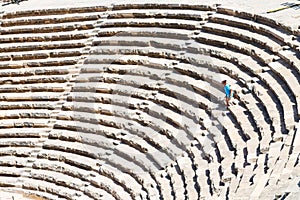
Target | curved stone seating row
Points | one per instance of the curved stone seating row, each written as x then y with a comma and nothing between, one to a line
46,37
94,179
41,69
97,71
119,158
50,62
163,23
244,64
47,50
111,68
164,184
158,13
77,162
266,25
145,32
111,122
136,88
96,152
48,19
186,167
174,6
54,11
254,27
47,28
237,138
58,188
260,75
268,29
283,66
26,194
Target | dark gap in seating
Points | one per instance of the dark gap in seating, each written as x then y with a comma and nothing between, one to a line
221,175
255,165
266,168
7,185
296,163
237,125
20,135
263,109
203,154
3,174
209,182
228,140
218,154
292,144
250,118
234,169
194,167
251,179
245,152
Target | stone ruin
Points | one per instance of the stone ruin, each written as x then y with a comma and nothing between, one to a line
122,100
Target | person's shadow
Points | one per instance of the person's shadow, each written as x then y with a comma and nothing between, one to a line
13,2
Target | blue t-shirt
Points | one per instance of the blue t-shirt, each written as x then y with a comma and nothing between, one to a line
227,90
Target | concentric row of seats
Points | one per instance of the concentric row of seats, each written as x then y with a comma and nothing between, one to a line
125,102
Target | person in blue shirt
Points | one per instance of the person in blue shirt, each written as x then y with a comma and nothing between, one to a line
228,92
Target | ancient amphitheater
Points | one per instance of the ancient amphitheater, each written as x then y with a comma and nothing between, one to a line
122,99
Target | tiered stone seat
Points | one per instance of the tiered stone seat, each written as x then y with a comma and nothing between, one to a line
164,23
176,180
89,164
46,37
257,69
158,13
186,168
231,25
145,32
254,137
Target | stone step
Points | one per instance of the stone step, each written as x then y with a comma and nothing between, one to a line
163,23
46,28
242,34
